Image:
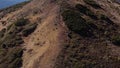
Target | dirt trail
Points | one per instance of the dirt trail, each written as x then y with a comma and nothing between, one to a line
44,45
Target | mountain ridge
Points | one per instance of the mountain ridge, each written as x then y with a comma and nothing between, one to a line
59,33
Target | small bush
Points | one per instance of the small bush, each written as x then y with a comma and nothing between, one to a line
116,40
104,17
9,27
86,11
29,29
92,3
2,32
13,58
18,52
16,63
12,36
75,22
21,22
82,8
10,39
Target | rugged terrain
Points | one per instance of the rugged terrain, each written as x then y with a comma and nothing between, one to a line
61,34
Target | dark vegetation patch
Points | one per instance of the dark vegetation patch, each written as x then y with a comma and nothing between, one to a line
97,24
85,10
116,40
29,29
87,47
86,53
11,58
21,22
10,41
2,32
76,23
105,18
92,3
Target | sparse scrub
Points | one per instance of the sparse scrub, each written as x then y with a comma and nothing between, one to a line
9,27
76,23
104,17
88,52
116,40
2,32
29,29
92,3
10,41
83,9
21,22
11,57
11,37
16,63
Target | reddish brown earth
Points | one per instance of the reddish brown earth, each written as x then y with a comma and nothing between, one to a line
46,43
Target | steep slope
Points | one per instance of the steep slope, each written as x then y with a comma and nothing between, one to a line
45,44
61,34
94,35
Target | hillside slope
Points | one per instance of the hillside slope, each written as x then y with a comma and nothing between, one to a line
61,34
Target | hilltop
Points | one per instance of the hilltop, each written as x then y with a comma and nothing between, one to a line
61,34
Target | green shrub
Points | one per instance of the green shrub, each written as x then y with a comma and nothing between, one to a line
2,32
86,11
82,8
9,27
91,24
13,58
16,63
92,3
104,17
12,36
2,53
21,22
116,40
75,22
29,29
10,39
